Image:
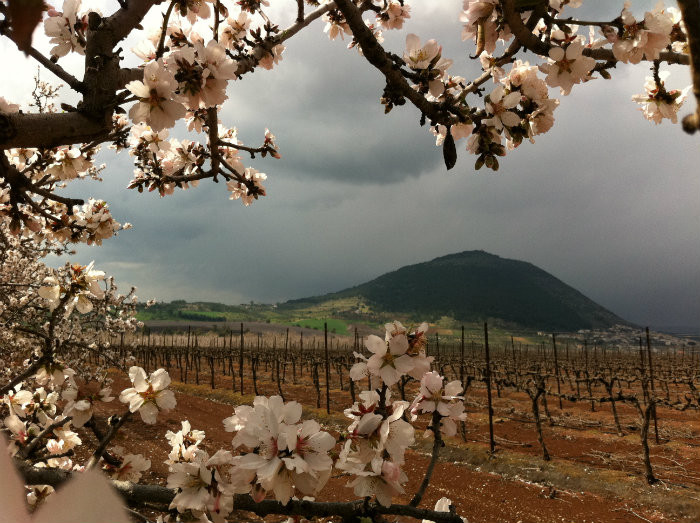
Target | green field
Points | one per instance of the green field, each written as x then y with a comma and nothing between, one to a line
336,326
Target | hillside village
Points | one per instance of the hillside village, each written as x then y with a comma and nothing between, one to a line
625,336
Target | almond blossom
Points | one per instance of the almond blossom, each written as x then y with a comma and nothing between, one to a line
389,359
204,485
267,59
479,15
184,443
155,105
286,455
250,189
66,29
394,15
644,39
499,104
380,478
69,163
80,406
567,67
658,103
131,466
417,56
149,395
234,29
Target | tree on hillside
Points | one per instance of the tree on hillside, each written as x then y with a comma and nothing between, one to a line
129,100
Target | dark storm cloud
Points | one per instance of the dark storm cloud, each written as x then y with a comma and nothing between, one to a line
605,201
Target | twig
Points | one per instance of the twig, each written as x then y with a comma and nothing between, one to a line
437,445
95,458
164,30
33,444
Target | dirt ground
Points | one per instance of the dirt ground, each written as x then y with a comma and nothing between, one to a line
595,475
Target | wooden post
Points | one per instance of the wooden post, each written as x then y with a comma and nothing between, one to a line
461,359
240,362
556,368
492,443
651,383
328,372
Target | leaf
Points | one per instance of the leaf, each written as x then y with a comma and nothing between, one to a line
24,16
449,150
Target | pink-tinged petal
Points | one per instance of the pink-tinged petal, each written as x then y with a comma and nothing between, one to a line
375,345
283,489
160,379
453,388
574,50
557,54
358,371
404,364
309,428
497,94
319,462
510,119
412,42
443,408
321,442
369,423
166,400
149,413
511,100
398,344
389,375
291,412
138,378
140,112
139,89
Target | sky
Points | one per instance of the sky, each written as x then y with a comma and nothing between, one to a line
606,201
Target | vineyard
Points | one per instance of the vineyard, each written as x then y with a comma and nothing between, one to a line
632,409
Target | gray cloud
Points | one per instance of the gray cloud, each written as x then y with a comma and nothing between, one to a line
606,201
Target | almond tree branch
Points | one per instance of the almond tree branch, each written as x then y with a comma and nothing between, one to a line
164,29
247,65
249,150
377,56
95,458
56,69
437,445
121,23
26,451
137,494
529,40
48,129
29,371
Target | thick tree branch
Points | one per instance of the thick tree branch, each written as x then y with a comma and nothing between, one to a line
49,129
125,20
136,494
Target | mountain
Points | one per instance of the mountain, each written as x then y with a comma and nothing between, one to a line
474,286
